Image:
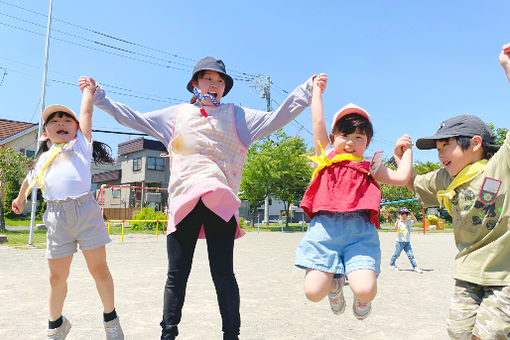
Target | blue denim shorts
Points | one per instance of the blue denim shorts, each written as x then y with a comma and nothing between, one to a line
340,243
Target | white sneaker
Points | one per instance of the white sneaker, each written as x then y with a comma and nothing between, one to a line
393,267
361,309
113,330
336,299
60,333
418,270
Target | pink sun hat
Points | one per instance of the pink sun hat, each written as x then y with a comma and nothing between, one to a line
347,109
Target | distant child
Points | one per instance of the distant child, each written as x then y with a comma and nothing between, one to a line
343,201
72,216
403,228
474,186
207,143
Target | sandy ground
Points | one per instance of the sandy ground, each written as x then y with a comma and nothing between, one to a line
408,305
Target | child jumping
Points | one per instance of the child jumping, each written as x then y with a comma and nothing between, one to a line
473,185
343,201
72,216
207,143
403,228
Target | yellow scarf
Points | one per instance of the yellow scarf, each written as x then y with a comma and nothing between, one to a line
465,176
40,178
323,160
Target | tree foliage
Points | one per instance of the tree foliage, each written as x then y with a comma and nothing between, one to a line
274,167
13,166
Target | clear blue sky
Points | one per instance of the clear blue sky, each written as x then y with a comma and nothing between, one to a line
410,64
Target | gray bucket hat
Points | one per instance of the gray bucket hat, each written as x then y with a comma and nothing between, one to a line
212,64
464,125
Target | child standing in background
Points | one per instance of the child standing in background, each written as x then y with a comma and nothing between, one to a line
207,143
403,228
343,201
72,215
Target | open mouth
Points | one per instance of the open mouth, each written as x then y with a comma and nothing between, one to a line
446,163
213,93
62,132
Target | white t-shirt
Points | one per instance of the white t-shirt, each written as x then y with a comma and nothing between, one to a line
69,173
404,231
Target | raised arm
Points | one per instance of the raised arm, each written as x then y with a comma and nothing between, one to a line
158,124
411,214
320,134
403,173
258,124
504,59
88,87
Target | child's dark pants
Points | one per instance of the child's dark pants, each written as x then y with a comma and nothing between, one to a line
220,248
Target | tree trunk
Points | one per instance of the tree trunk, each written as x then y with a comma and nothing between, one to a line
2,219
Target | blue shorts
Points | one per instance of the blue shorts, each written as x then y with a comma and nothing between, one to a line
340,243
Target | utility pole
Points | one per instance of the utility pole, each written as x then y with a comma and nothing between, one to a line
39,133
264,84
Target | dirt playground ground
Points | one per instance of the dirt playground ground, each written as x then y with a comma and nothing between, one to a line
408,305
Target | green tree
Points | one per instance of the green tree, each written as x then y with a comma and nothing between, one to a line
255,181
290,171
12,169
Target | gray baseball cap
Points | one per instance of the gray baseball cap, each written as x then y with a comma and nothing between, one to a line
463,125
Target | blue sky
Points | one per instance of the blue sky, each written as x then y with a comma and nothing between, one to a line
410,64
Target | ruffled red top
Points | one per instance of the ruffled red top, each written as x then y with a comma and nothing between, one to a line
343,187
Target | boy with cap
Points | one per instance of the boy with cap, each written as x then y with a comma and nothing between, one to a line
403,242
207,142
473,186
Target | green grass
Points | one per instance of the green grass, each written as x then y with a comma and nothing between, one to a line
21,221
18,238
274,227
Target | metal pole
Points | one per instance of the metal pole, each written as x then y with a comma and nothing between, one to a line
39,133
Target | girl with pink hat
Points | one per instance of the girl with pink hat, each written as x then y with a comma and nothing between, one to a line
343,202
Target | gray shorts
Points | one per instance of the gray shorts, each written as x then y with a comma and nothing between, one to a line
482,311
72,221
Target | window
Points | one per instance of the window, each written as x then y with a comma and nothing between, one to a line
116,193
137,164
154,163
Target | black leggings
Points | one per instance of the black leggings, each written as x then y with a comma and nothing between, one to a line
220,248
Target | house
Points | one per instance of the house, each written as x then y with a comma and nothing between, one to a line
20,136
140,181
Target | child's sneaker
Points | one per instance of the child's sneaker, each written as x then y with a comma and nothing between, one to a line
60,333
393,267
113,330
418,270
361,309
336,299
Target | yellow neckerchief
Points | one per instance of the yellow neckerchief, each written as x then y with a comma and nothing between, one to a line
40,178
465,176
323,160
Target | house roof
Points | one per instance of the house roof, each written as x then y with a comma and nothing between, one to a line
140,144
106,176
11,128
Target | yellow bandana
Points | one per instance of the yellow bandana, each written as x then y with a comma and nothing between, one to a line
323,160
466,175
40,178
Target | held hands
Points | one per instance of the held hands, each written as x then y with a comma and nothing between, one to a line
320,82
88,84
504,59
402,144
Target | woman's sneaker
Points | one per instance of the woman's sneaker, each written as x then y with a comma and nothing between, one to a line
361,309
60,333
113,330
336,299
418,270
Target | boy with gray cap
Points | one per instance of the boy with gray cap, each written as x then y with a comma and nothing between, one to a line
473,186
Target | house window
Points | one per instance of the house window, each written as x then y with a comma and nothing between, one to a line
116,193
155,163
137,164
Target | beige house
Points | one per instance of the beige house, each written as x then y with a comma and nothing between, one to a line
20,136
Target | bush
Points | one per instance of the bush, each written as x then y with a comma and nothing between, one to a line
241,222
147,213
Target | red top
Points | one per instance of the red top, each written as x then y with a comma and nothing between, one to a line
343,187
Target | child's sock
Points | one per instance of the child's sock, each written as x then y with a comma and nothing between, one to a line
110,316
55,324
